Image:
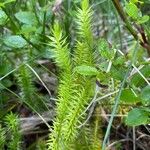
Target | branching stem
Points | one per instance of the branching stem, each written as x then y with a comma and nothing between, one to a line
143,41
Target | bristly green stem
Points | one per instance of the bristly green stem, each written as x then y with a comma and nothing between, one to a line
117,98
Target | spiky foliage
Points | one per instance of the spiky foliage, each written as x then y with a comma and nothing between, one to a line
28,90
2,137
75,90
74,118
12,124
60,48
26,85
84,19
83,139
83,85
41,145
96,130
85,43
62,57
83,54
86,139
89,136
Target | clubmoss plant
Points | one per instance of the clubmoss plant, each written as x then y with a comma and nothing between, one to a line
12,123
28,90
76,85
26,85
2,137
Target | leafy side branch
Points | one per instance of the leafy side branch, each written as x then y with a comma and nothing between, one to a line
143,40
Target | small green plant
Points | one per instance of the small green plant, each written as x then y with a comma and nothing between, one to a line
140,115
28,91
134,12
79,73
100,68
2,138
77,79
136,16
10,133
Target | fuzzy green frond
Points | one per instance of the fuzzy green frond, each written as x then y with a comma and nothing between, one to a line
62,58
41,145
89,137
85,44
84,23
80,100
2,137
28,91
83,91
65,93
12,124
26,85
60,48
82,55
85,139
75,91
